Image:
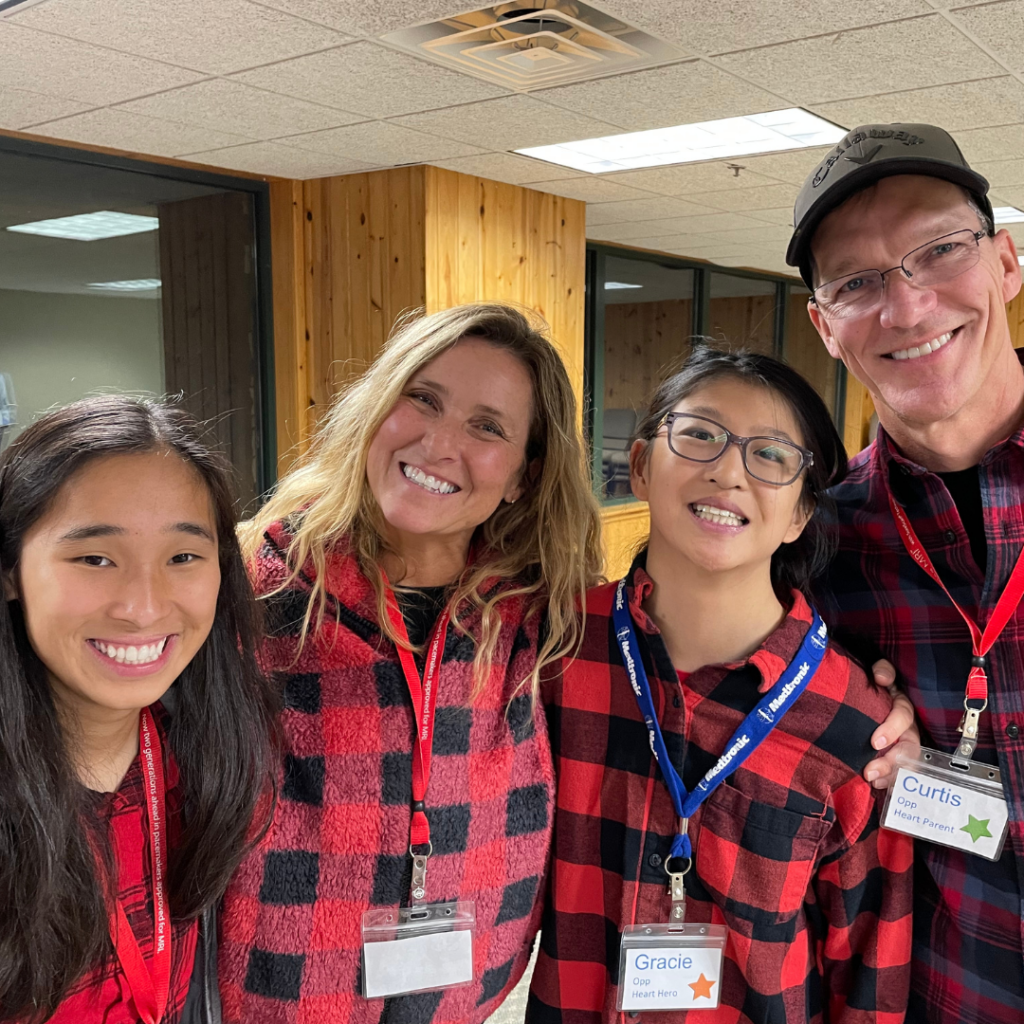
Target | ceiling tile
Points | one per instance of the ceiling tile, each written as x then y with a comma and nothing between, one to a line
80,71
1001,173
732,24
710,223
273,159
963,105
764,197
513,122
371,80
1000,143
1010,195
372,19
508,167
783,215
885,58
655,208
1000,27
682,179
20,108
381,144
231,106
591,189
659,97
762,236
216,36
793,166
638,229
137,134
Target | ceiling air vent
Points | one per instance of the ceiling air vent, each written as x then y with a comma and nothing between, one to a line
8,7
528,45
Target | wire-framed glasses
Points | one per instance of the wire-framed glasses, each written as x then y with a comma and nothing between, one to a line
939,260
772,460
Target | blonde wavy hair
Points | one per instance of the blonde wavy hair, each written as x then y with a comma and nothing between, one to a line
548,541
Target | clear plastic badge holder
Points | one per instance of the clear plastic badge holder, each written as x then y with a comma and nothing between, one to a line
670,967
421,948
949,801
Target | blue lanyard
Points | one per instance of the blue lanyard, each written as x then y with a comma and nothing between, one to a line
748,737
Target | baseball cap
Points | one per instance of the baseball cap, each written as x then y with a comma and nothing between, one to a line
866,155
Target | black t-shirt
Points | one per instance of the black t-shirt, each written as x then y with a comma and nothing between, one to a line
421,607
965,489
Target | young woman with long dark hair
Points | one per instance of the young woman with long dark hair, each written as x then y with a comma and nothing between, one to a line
135,726
716,850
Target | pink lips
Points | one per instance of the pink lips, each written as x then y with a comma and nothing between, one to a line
126,671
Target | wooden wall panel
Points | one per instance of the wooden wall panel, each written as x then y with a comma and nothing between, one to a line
743,321
805,351
1015,316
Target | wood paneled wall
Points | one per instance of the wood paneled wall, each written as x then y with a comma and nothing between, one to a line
352,253
743,321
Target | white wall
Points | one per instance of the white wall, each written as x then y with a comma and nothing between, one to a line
61,347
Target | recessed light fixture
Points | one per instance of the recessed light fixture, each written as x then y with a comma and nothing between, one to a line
611,286
143,284
1008,215
794,128
89,227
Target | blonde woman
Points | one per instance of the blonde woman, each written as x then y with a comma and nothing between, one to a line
421,567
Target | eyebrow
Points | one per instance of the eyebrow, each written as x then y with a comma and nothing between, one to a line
94,530
847,266
713,413
442,390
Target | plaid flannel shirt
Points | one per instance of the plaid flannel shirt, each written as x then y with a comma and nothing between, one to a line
787,852
290,945
968,961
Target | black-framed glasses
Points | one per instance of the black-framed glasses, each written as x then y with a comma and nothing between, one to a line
771,460
935,262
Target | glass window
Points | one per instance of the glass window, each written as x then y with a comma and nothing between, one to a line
741,313
647,326
122,280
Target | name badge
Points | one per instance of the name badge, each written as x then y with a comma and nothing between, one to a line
670,967
417,949
953,803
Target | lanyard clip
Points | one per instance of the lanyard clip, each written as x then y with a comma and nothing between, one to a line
968,729
418,892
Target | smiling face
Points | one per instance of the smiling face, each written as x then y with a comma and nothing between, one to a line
454,446
714,514
924,353
118,582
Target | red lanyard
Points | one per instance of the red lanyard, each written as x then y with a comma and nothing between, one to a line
424,702
981,640
150,986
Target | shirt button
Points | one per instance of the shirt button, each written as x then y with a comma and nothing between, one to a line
655,858
1012,730
950,536
676,702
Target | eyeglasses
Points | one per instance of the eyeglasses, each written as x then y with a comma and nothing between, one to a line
768,459
939,260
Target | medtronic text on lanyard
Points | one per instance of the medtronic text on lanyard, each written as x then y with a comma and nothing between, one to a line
952,800
653,955
425,946
150,984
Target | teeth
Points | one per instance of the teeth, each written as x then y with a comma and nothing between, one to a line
429,483
922,350
142,655
717,515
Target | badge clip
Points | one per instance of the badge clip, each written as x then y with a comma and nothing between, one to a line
677,890
418,892
968,730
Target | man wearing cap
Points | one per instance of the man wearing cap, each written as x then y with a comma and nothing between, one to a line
894,235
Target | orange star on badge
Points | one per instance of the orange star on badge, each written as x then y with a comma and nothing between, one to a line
701,987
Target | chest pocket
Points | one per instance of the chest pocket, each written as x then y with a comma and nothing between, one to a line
756,861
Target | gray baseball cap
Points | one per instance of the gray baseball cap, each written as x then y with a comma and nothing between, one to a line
866,155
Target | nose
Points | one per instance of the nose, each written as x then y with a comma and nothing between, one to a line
728,469
440,441
905,304
144,597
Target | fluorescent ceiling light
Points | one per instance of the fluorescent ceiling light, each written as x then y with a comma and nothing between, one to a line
610,286
143,284
88,227
1020,260
706,140
1008,215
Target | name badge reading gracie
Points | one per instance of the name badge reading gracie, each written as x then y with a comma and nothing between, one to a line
933,799
420,948
670,967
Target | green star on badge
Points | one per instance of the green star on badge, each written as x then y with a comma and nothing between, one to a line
976,829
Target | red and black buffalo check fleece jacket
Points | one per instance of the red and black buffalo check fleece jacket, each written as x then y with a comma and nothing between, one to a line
290,928
788,853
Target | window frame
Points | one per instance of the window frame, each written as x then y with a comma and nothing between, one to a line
263,342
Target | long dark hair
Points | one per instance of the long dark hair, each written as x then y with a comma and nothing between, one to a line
53,896
793,565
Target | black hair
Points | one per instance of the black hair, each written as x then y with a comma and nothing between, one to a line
795,565
54,890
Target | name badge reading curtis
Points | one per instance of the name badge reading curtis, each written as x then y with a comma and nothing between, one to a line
420,948
963,807
671,967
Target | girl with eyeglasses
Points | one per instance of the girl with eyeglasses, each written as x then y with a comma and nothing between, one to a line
716,851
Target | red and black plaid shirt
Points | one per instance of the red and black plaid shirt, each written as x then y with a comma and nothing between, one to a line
968,959
787,852
104,997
